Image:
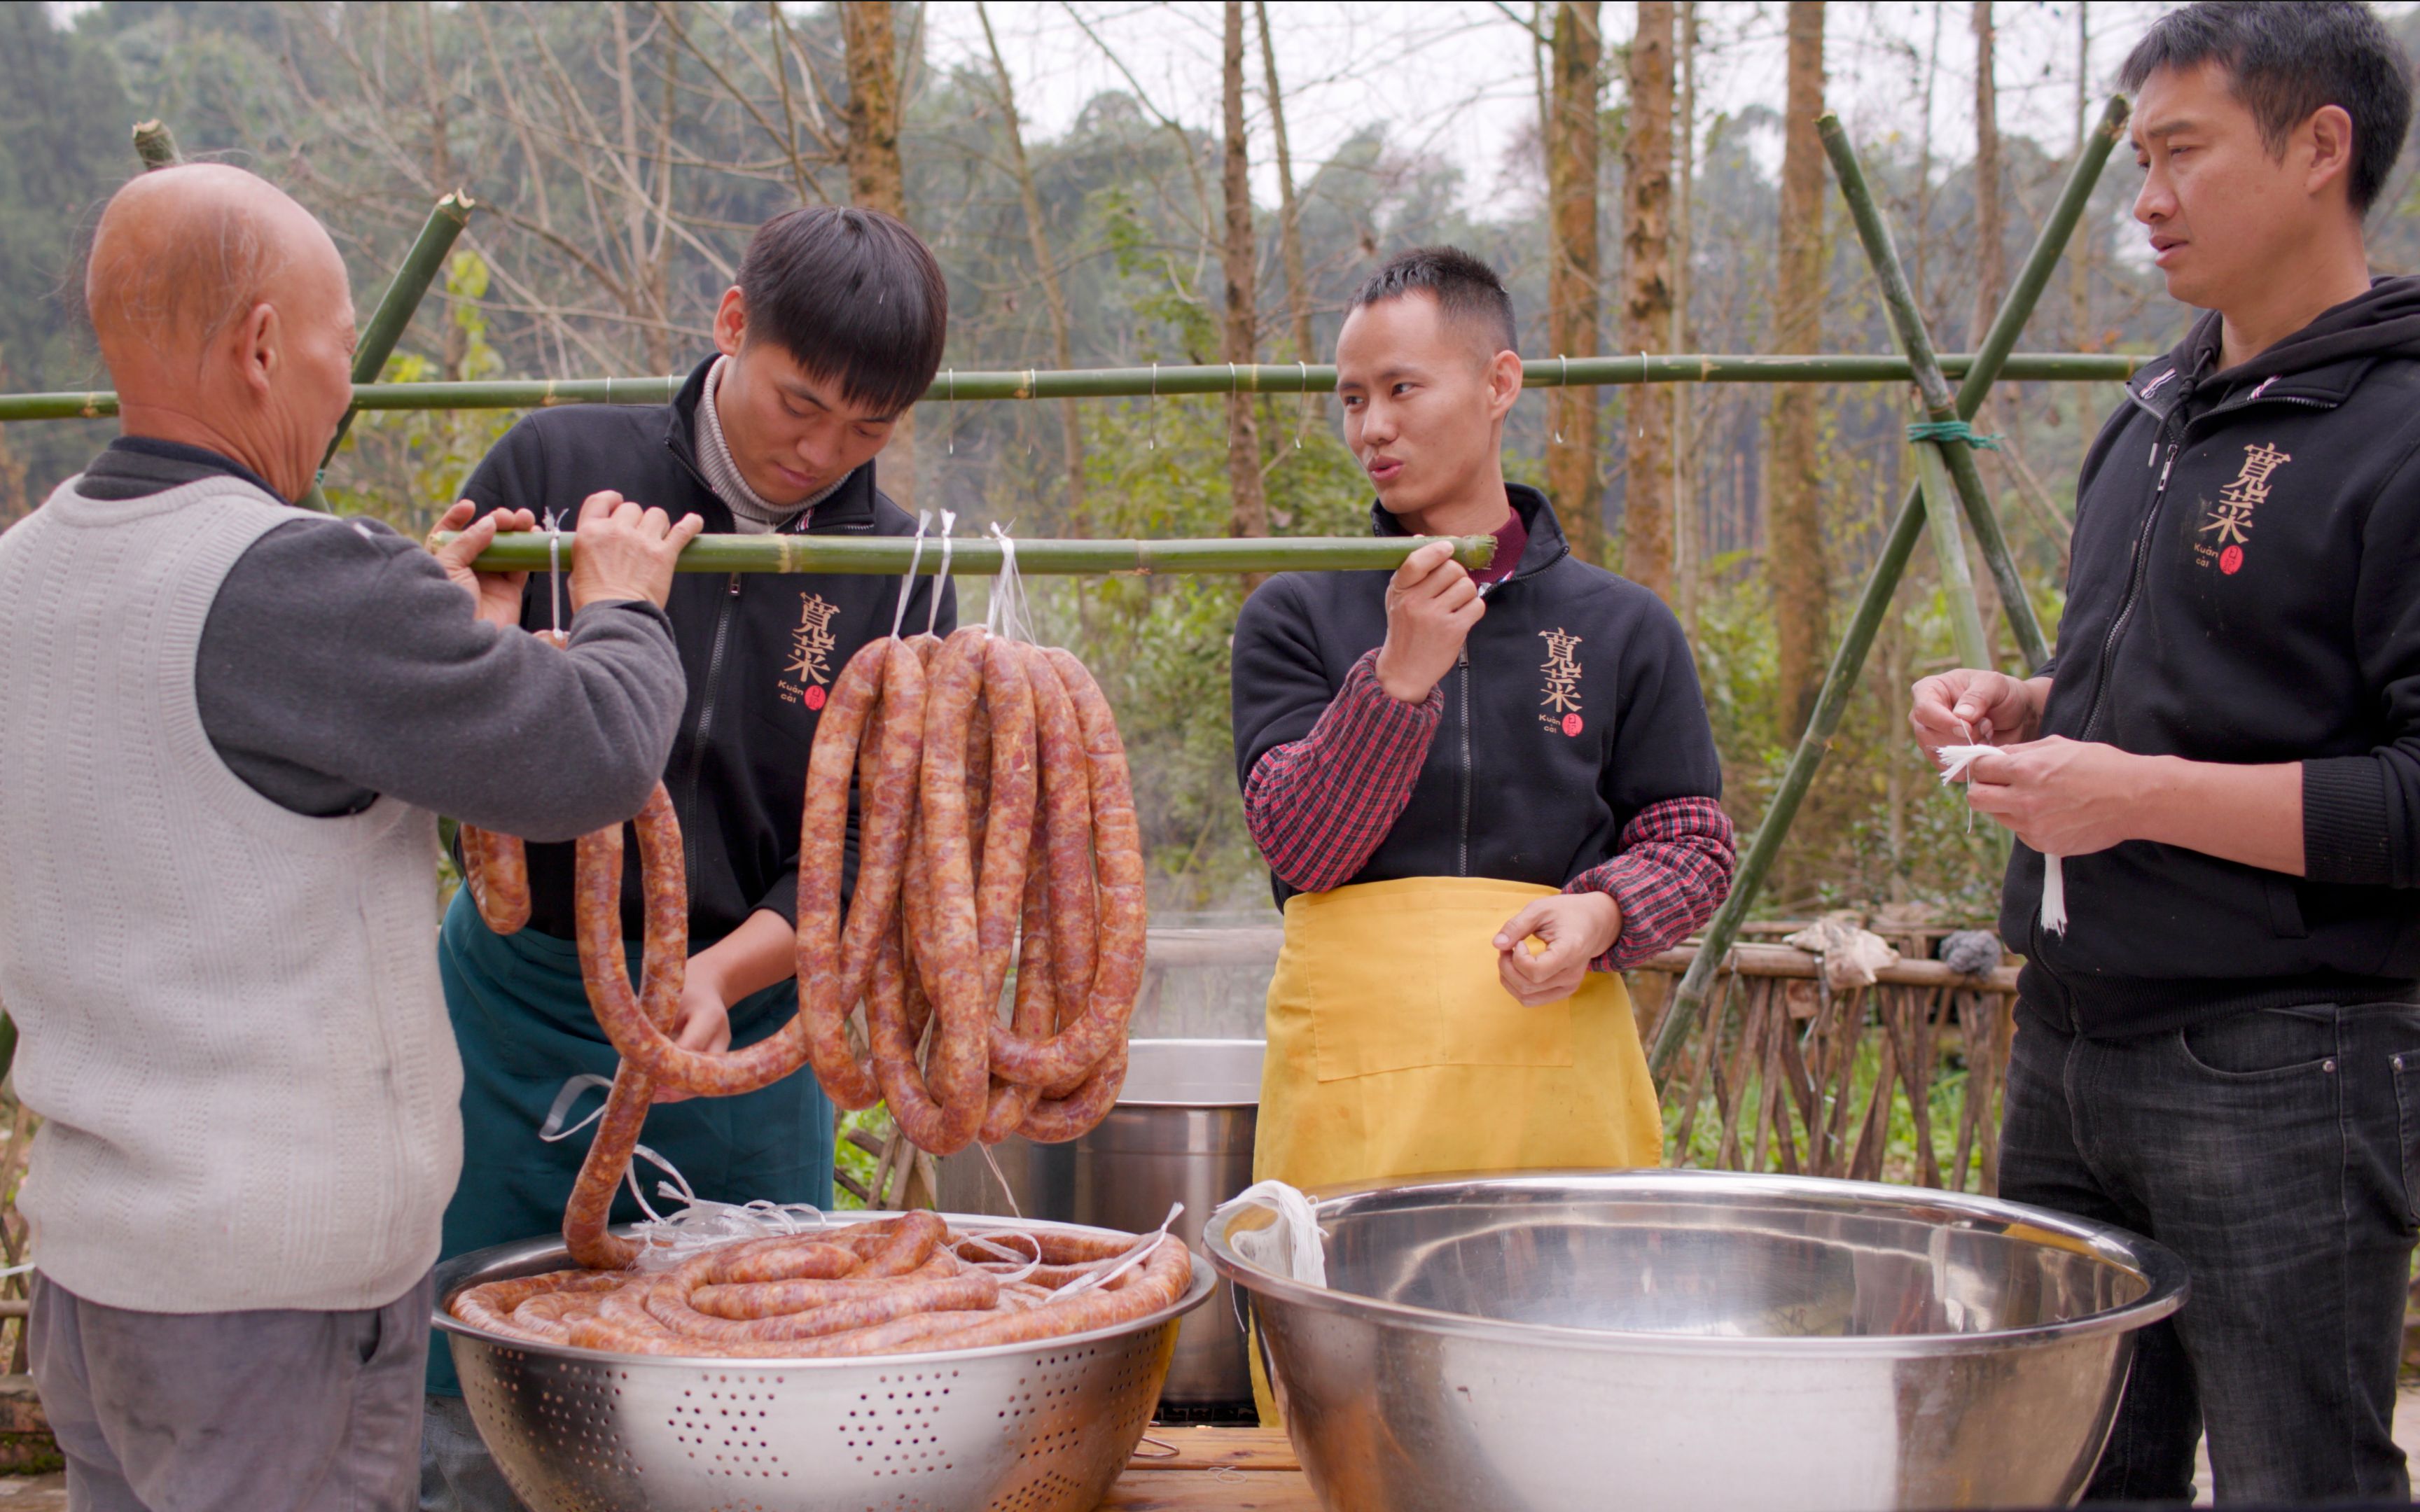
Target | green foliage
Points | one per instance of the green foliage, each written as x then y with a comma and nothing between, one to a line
412,462
853,1162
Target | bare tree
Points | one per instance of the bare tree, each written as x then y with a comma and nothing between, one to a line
2079,254
1572,273
1249,507
875,179
1990,254
1795,563
1054,294
1647,296
1289,207
1991,216
1685,532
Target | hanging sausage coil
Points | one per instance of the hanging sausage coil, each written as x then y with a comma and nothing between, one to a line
996,825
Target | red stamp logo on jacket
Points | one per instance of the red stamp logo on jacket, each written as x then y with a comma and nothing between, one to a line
811,649
1562,671
2228,524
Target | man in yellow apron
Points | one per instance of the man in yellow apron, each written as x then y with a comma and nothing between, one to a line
1481,795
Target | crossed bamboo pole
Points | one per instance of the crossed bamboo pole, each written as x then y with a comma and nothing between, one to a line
395,310
1946,469
1924,501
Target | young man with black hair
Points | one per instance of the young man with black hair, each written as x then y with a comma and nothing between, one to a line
2221,1050
833,329
1481,793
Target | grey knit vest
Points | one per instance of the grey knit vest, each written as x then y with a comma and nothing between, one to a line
230,1017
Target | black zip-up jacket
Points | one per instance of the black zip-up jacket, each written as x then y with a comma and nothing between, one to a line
2244,588
1575,705
760,651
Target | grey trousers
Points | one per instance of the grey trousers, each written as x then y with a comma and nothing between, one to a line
457,1474
311,1412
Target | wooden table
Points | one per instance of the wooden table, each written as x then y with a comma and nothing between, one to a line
1231,1470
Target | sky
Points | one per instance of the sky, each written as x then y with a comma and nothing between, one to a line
1457,78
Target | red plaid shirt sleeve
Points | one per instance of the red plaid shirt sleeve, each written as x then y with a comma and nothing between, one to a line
1674,870
1317,807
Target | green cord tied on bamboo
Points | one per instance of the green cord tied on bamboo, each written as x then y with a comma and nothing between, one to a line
1951,430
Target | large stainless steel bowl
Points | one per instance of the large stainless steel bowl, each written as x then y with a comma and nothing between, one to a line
1691,1340
1018,1427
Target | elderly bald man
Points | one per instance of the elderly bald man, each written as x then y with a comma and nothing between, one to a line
228,726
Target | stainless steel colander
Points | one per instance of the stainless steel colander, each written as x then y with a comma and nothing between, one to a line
1016,1427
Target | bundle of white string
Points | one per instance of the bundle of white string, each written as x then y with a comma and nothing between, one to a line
1290,1245
1957,762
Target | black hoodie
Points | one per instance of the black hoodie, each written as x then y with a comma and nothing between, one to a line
2246,588
759,650
1575,705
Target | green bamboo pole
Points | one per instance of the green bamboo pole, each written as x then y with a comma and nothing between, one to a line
1137,383
403,295
155,146
980,556
1873,602
1935,466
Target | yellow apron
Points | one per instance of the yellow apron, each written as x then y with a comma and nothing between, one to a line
1394,1050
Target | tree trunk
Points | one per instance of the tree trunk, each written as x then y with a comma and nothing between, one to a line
1572,150
2079,247
1248,509
1991,260
1289,208
1793,535
1053,295
1647,296
871,47
1991,215
1684,519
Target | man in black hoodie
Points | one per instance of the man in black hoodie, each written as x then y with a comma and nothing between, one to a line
832,328
2222,1047
1482,794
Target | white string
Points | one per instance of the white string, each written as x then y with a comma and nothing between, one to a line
2054,908
941,579
553,1129
1006,616
1025,1267
1151,417
1302,410
899,615
1289,1246
554,565
951,433
1957,765
1563,389
1006,1192
1135,1255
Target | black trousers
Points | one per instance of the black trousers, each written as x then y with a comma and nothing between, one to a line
2278,1153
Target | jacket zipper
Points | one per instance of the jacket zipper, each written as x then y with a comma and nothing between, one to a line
1462,666
2136,571
705,723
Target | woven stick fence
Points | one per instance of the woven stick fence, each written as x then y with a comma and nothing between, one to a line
1898,1081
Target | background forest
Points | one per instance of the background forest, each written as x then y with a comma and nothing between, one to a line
1654,197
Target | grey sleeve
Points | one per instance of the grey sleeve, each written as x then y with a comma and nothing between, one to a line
338,649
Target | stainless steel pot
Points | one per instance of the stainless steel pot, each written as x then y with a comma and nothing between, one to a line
1182,1132
1044,1426
1688,1339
